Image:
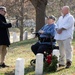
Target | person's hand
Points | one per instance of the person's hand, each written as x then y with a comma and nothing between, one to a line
59,31
41,31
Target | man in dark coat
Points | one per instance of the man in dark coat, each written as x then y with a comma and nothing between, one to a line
4,36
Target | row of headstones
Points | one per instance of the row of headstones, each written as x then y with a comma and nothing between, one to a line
15,36
19,70
25,36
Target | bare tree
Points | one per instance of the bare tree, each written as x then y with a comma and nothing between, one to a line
17,9
40,6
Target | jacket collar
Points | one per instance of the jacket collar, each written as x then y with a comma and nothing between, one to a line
66,15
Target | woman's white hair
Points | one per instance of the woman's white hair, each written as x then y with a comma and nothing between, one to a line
2,7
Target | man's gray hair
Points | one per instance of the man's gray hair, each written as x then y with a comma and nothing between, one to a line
66,7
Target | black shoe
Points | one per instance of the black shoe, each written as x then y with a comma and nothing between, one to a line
68,64
60,65
3,65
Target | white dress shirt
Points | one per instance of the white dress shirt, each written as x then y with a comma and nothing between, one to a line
66,22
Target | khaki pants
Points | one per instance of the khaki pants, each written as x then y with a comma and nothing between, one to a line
65,50
3,52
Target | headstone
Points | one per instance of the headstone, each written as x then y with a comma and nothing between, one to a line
56,53
25,35
15,38
19,69
39,64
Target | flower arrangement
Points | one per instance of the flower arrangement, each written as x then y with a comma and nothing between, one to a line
50,64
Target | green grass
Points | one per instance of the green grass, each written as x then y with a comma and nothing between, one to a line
22,50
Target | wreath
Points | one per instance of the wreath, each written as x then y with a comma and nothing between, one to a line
50,64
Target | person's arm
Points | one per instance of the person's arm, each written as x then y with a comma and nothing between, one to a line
5,25
59,31
42,28
51,31
68,24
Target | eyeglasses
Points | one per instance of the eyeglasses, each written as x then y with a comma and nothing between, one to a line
4,11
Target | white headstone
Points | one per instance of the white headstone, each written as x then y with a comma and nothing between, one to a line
56,53
19,69
15,37
39,64
25,35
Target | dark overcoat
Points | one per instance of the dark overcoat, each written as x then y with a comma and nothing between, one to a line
4,32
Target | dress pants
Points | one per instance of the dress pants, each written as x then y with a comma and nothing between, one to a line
65,50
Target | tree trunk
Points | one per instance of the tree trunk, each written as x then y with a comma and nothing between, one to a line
21,19
40,6
40,17
21,31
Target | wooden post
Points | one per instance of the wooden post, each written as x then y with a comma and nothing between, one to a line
39,64
19,69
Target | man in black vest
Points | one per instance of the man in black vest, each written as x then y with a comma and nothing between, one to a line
4,36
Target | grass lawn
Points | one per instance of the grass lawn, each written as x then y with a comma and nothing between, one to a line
22,50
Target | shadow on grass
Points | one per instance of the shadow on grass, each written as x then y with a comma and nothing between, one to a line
53,73
60,69
10,73
29,69
25,42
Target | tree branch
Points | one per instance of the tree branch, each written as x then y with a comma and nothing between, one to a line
34,2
